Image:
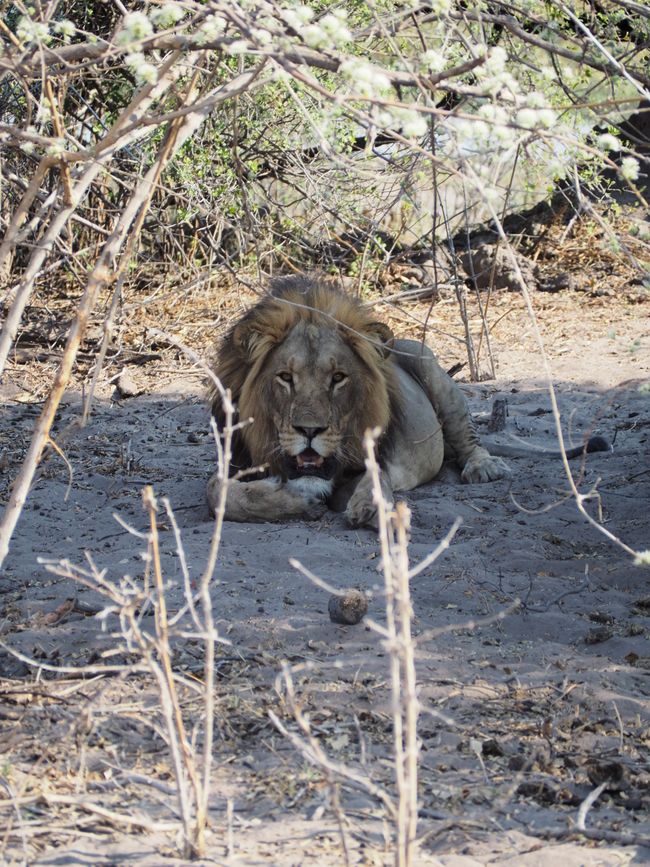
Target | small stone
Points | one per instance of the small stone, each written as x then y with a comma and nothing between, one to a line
600,617
600,771
126,384
517,763
598,634
492,747
557,283
348,608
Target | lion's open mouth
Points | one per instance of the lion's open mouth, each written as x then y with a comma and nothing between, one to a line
309,460
310,463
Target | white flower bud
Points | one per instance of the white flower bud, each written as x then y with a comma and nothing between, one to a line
535,99
212,28
629,169
527,117
56,148
298,15
495,61
239,46
66,29
144,72
315,37
412,124
433,61
384,119
608,142
135,26
262,36
439,7
547,117
167,15
366,80
32,32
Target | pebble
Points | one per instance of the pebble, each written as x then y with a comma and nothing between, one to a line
349,608
126,384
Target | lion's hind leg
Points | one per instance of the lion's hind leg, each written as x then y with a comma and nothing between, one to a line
263,500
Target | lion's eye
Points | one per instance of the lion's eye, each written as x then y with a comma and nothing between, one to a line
337,377
285,376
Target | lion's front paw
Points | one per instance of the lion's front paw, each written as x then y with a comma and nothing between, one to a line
361,512
483,467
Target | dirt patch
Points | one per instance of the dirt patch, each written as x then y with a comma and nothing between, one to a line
522,717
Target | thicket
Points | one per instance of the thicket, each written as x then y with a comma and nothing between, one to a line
152,137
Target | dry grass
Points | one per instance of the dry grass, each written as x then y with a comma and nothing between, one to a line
196,307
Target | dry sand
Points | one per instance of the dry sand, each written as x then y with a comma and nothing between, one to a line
522,717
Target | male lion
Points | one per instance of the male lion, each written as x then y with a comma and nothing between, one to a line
314,371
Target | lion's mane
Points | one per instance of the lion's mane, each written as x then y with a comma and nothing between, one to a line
246,347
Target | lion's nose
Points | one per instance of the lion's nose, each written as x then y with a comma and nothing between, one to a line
309,432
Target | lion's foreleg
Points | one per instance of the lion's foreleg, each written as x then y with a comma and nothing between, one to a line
461,440
262,500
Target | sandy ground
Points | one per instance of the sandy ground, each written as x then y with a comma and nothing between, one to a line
522,717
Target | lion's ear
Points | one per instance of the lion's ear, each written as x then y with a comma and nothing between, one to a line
381,334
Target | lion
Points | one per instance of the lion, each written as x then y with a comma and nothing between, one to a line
314,370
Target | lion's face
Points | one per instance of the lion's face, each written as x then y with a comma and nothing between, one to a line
315,391
311,367
316,385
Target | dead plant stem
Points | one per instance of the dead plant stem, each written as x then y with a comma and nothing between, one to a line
410,702
183,759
